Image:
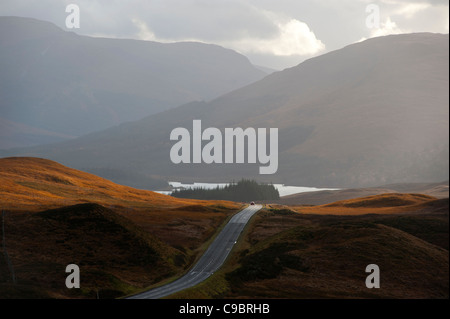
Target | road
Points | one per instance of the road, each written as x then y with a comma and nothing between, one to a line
211,260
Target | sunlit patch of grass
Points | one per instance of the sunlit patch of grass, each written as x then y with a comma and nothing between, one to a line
124,235
394,203
35,184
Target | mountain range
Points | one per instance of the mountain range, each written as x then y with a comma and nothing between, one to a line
372,113
71,85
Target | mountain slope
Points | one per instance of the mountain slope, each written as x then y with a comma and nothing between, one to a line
284,254
372,113
13,134
115,257
326,258
438,190
35,184
66,83
122,238
383,204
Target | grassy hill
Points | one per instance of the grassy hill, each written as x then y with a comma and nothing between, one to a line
438,190
35,184
390,203
114,255
290,255
125,239
122,238
383,200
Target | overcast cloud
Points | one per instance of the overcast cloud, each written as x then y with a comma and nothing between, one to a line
272,33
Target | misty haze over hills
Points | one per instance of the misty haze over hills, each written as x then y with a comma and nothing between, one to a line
372,113
58,84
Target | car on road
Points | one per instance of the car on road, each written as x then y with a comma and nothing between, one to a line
252,203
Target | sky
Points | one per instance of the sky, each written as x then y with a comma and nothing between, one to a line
273,33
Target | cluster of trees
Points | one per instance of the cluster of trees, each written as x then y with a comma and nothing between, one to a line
242,191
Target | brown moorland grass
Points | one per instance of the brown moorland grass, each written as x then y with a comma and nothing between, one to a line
114,255
438,190
391,203
29,186
34,184
286,254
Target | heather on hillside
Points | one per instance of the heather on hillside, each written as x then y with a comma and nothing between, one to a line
242,191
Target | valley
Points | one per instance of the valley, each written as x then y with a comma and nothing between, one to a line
127,241
314,175
306,254
343,121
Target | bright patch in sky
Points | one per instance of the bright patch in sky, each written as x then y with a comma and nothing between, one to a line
294,38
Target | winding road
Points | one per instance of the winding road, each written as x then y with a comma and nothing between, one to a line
211,260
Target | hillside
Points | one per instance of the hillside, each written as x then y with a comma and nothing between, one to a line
372,113
64,83
123,239
291,255
390,203
34,184
13,134
115,257
438,190
328,261
384,200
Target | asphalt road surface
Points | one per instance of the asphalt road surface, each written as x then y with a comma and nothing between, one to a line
212,260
